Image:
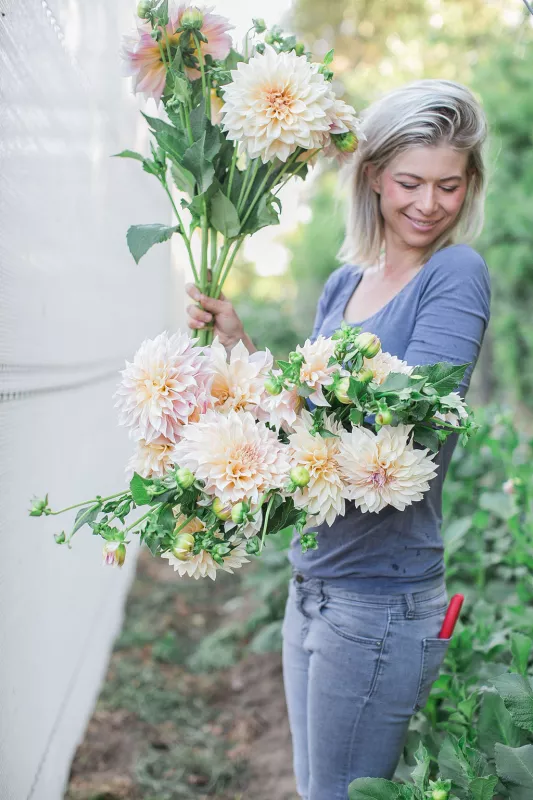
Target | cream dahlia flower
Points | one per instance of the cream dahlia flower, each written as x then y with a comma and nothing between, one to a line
276,103
239,384
153,459
323,495
214,27
166,384
204,566
281,410
315,371
385,363
383,469
237,458
457,411
342,119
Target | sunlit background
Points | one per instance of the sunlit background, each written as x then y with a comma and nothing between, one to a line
74,305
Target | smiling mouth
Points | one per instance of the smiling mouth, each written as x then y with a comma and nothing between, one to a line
424,222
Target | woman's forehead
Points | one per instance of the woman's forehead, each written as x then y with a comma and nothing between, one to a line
437,162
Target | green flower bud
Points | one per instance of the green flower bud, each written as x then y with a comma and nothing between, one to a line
364,376
252,546
220,509
259,25
184,478
120,554
39,507
326,72
341,391
296,358
384,417
60,537
239,512
439,794
192,19
114,554
260,48
345,142
300,476
368,344
299,48
273,386
183,545
308,542
144,8
270,38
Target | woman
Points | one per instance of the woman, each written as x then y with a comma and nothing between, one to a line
361,647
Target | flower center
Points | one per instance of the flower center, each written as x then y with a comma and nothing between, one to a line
378,479
243,460
279,102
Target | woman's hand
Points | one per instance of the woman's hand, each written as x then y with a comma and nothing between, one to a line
227,325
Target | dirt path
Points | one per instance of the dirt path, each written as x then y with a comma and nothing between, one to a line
166,729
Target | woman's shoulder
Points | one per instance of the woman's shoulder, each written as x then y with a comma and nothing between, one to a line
457,260
337,278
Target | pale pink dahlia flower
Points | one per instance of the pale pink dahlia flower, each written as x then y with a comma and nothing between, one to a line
239,384
323,495
383,364
214,27
276,103
237,458
281,410
383,469
204,566
164,387
315,371
142,60
149,460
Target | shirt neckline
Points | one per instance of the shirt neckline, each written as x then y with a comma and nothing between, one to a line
358,272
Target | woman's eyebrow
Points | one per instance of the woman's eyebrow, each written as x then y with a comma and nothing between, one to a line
418,178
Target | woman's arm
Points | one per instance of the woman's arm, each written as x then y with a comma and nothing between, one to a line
453,314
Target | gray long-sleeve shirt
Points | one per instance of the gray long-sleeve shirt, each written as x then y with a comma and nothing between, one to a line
440,315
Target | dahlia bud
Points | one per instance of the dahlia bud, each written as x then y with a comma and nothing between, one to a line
384,417
184,478
341,391
60,537
296,358
270,38
368,344
299,48
183,545
39,507
239,513
308,542
252,546
259,25
363,376
345,142
300,476
260,48
326,72
114,554
439,794
273,386
220,509
144,8
192,19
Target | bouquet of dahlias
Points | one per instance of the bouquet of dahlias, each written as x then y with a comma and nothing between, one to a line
227,453
237,128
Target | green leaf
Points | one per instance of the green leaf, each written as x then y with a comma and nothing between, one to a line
517,693
138,490
443,376
224,216
263,213
420,774
427,437
141,238
355,389
495,725
356,416
453,764
128,154
377,789
328,58
520,648
483,788
514,765
396,381
183,179
166,519
196,161
85,516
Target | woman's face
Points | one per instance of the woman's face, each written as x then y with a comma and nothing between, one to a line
421,193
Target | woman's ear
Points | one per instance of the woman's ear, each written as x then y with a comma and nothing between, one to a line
373,179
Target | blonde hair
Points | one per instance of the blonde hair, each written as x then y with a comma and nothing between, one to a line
424,113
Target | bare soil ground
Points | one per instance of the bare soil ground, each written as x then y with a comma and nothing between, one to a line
165,730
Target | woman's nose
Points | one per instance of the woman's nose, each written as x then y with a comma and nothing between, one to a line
426,201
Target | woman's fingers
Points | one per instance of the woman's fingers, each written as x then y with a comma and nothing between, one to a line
196,313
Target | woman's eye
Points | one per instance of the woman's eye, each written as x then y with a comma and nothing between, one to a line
415,186
449,188
409,185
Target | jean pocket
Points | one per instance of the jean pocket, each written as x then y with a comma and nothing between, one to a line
433,653
356,622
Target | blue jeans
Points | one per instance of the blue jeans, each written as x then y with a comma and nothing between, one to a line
356,667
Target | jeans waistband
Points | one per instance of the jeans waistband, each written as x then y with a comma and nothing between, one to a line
428,589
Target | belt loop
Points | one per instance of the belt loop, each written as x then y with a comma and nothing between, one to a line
410,600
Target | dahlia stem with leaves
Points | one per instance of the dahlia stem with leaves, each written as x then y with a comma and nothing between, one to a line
236,128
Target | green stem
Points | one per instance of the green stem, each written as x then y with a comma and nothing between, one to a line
93,502
300,166
183,232
167,42
228,267
207,98
249,183
266,523
205,245
220,263
232,170
264,182
213,257
183,524
140,519
163,59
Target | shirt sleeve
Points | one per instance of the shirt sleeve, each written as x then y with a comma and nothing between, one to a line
453,314
326,298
